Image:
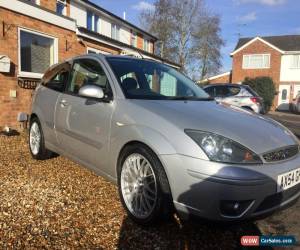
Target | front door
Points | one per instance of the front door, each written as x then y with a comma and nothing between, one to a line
284,97
82,124
296,90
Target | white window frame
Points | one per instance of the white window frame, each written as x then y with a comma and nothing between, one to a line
55,49
115,28
147,45
35,1
292,66
65,6
244,66
97,51
133,34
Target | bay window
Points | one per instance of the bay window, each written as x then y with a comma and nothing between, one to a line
256,61
37,52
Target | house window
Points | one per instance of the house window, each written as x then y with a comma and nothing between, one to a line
134,39
37,52
89,21
34,1
60,7
295,61
97,51
147,45
96,23
284,95
115,32
259,61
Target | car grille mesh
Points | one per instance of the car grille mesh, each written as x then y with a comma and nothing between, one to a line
281,154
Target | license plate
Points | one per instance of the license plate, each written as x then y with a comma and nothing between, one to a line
288,180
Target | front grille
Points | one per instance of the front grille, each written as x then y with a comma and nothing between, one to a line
281,154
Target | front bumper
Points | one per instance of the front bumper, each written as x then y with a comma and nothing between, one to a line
226,192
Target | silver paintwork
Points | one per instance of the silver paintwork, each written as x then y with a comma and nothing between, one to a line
91,91
94,135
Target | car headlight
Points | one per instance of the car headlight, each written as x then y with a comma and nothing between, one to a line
222,149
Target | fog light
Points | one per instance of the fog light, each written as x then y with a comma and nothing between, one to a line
234,208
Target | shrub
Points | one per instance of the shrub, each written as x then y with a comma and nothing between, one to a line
264,87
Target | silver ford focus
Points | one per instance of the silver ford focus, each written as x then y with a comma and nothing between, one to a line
163,140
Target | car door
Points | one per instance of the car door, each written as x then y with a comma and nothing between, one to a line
83,124
53,84
232,96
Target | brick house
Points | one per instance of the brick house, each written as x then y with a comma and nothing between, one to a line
275,56
218,79
35,34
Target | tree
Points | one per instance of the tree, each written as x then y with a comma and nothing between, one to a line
160,23
207,45
188,34
264,87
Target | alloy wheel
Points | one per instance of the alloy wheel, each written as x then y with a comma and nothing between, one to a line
138,185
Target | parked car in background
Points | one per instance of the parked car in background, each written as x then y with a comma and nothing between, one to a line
163,140
238,95
295,105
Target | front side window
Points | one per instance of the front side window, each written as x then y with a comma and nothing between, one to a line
37,52
141,79
87,72
210,91
259,61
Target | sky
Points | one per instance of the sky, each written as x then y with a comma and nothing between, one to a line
239,18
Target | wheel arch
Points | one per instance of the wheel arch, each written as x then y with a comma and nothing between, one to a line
166,188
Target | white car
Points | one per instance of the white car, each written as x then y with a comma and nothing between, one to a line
237,95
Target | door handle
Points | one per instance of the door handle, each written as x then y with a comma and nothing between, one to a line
64,103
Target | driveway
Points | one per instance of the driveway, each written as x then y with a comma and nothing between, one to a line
291,121
56,204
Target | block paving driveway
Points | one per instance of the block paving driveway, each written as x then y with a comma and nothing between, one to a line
56,204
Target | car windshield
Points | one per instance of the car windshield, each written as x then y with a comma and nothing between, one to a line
142,79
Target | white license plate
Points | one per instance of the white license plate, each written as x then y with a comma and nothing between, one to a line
288,180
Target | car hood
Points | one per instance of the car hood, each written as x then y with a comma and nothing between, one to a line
258,133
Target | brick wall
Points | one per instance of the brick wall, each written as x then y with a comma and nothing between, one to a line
140,41
222,79
258,47
48,4
9,106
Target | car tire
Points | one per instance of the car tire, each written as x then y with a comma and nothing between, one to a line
143,186
37,141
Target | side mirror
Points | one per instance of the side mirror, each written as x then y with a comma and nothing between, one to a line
91,91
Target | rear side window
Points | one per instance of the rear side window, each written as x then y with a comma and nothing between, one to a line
57,78
232,90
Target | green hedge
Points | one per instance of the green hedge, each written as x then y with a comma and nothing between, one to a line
264,87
